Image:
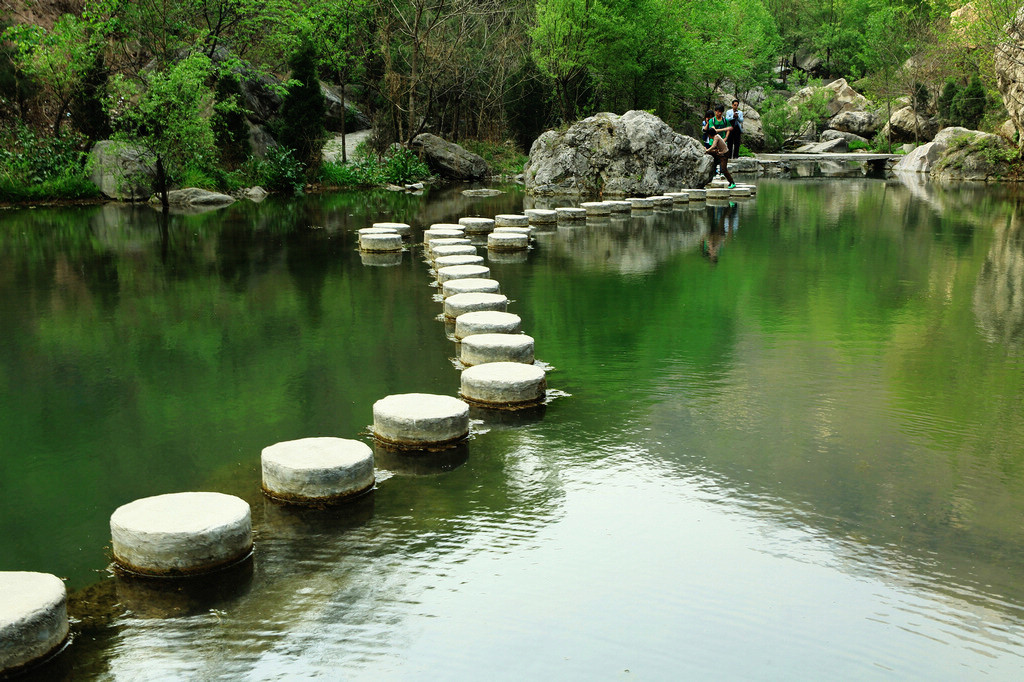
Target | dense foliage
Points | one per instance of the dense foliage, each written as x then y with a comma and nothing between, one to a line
486,70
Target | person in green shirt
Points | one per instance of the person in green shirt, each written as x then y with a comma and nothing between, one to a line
717,129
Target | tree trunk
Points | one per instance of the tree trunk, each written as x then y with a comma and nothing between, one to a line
344,115
161,184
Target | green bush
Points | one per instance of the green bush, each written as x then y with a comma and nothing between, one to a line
857,144
37,167
366,171
502,158
281,171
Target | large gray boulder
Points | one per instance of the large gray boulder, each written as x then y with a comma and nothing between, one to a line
1009,68
633,154
841,97
837,134
193,196
960,154
122,171
908,125
835,145
448,159
861,123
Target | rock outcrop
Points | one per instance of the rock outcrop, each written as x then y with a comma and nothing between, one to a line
448,159
633,154
842,97
836,134
861,123
960,154
908,125
1009,68
122,171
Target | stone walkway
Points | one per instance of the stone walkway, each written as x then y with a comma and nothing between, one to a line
332,150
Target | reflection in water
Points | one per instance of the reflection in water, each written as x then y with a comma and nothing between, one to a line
999,295
820,434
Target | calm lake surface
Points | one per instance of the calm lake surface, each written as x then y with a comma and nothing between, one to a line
786,439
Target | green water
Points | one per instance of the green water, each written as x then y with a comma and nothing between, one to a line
785,439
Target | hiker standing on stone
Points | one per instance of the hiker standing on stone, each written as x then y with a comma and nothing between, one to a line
735,118
715,128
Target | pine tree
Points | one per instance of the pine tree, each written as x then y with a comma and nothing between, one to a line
304,110
230,130
945,103
969,104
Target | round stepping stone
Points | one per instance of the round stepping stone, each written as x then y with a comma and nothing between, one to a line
420,420
447,241
596,208
712,201
383,259
751,187
460,304
472,285
518,230
697,194
739,191
679,197
447,261
717,192
663,201
317,470
181,534
640,203
570,213
438,233
503,385
541,216
377,230
507,241
480,349
461,272
452,250
403,229
620,206
391,241
486,322
446,226
511,220
477,225
33,619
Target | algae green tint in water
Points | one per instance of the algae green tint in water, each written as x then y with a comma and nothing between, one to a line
787,440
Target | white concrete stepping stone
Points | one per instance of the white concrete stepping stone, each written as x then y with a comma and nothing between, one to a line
511,220
486,322
570,213
541,216
320,470
480,349
447,261
640,203
452,250
33,619
420,420
620,206
503,385
391,241
181,534
451,272
594,208
507,241
472,285
460,304
441,233
477,225
403,229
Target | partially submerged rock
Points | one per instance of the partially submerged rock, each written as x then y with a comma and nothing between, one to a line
960,154
633,154
194,197
448,159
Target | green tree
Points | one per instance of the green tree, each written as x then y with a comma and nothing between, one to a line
340,30
561,39
946,98
230,129
303,110
163,113
969,104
